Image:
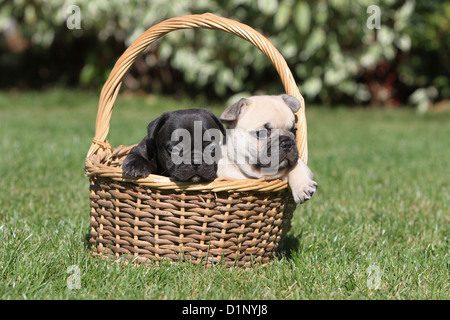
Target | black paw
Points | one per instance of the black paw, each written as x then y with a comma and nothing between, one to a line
138,168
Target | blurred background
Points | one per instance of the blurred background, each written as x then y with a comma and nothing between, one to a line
335,49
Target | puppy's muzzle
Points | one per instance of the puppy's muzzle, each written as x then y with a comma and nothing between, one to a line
194,173
286,143
195,170
288,151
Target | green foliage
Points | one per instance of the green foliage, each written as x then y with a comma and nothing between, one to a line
430,63
334,56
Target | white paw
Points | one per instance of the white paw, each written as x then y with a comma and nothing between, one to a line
301,182
304,192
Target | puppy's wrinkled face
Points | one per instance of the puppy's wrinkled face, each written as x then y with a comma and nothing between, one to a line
183,144
262,139
188,150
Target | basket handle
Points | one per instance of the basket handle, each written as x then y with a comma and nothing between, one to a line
204,21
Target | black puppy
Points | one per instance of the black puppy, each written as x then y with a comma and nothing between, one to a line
183,145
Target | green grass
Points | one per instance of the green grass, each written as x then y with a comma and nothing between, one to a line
382,204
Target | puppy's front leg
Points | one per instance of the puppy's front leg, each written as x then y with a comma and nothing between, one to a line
301,181
137,164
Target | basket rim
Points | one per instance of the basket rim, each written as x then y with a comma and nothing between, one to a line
96,166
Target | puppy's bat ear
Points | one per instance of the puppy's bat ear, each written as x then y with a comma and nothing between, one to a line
152,130
292,102
232,112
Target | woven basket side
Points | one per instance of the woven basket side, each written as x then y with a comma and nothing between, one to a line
205,21
238,229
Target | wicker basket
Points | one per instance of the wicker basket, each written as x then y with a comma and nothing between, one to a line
236,222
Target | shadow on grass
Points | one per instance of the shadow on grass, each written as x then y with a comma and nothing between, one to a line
87,236
291,244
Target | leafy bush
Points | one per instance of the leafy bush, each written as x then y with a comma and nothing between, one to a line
428,66
332,53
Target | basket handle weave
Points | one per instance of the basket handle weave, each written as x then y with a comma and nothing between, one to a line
112,85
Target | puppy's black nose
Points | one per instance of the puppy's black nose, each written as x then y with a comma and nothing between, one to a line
286,144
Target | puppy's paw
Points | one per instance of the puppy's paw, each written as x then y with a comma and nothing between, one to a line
136,167
303,191
301,182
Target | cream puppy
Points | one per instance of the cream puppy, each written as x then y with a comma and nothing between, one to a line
261,143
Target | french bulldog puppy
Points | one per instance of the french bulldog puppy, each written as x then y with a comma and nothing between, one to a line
183,145
261,143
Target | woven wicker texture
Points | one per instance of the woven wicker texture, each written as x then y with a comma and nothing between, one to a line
240,222
234,228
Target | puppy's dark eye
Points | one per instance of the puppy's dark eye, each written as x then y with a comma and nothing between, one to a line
169,148
294,130
263,133
268,128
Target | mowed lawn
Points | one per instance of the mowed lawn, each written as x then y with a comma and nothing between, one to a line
377,228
